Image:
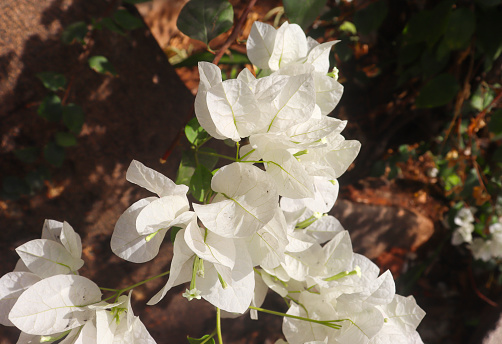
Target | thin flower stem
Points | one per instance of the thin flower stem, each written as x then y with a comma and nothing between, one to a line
121,291
108,289
209,338
328,323
218,155
218,325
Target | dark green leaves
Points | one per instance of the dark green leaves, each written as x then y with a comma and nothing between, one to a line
371,17
27,155
204,340
73,117
54,154
101,65
64,139
303,12
200,183
51,108
205,19
428,26
195,134
495,124
52,81
460,28
74,32
126,20
438,91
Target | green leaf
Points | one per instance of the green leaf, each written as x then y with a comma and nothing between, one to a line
343,51
205,19
200,183
195,133
431,65
428,26
201,340
27,155
497,155
173,232
186,168
234,58
52,80
74,32
451,181
110,25
13,187
101,65
460,28
409,53
348,27
126,20
438,91
303,12
495,124
51,108
209,161
371,17
73,117
489,23
54,154
481,98
64,139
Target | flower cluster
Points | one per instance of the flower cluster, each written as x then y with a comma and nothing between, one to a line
263,225
486,245
47,300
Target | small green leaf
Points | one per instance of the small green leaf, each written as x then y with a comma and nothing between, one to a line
54,154
371,17
74,32
101,65
27,155
460,28
110,25
73,117
234,58
51,108
65,139
495,124
207,160
303,12
438,91
481,98
52,81
201,340
429,25
13,187
205,19
343,51
195,133
200,183
348,27
186,168
126,20
173,232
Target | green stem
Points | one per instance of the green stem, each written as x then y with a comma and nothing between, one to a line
121,291
209,338
108,289
218,155
328,323
218,325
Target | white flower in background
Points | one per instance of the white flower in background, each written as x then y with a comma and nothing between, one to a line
464,219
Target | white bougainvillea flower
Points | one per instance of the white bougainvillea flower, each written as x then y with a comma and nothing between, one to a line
402,317
267,246
12,285
55,304
140,230
48,258
230,290
247,201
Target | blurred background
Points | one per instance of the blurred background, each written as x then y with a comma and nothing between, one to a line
88,85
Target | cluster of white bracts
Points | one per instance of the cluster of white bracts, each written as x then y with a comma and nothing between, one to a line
46,299
266,228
